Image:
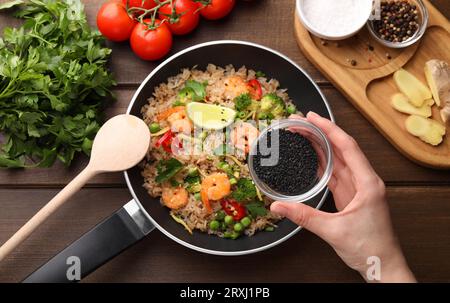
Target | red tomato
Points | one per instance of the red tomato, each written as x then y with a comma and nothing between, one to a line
255,89
217,9
147,4
151,44
186,19
113,21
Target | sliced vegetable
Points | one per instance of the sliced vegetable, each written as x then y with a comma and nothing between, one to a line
413,88
167,169
245,190
166,141
269,228
255,89
181,221
401,103
428,130
210,116
234,209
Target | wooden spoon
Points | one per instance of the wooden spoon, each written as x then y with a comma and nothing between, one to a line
121,143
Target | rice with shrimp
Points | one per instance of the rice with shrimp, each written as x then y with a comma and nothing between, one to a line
204,189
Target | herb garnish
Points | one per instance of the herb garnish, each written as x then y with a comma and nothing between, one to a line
53,84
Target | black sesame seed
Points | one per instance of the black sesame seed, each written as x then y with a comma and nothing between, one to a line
296,169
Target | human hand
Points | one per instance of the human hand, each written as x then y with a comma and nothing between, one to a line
362,226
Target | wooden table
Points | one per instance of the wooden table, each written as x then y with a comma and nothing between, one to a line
419,197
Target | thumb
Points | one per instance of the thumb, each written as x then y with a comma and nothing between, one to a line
304,215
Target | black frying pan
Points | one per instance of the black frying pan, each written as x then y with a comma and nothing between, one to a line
139,217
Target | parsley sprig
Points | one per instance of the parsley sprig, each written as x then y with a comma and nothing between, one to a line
53,84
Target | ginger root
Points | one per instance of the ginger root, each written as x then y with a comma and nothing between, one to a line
413,88
428,130
437,73
401,103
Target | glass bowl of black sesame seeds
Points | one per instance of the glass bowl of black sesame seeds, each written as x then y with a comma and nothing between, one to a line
398,23
291,161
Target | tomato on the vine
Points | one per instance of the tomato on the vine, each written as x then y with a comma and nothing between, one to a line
114,22
216,9
185,18
147,4
151,44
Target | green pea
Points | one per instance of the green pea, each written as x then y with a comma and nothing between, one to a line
233,181
269,228
214,225
238,227
246,221
291,109
228,220
241,115
220,215
154,128
198,196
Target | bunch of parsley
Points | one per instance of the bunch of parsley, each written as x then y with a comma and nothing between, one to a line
53,84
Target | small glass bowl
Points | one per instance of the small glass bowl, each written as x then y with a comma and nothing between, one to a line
423,21
320,144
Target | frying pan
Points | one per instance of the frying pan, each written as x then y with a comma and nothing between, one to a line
143,213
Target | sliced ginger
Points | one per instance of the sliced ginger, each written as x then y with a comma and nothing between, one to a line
401,103
428,130
411,87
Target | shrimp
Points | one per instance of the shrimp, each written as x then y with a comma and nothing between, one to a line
177,118
243,135
214,187
180,123
235,86
168,112
174,198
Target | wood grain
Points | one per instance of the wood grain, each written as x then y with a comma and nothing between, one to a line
421,223
373,101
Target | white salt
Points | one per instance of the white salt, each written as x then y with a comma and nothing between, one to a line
336,17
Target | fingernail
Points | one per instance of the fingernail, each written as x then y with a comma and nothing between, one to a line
312,115
278,208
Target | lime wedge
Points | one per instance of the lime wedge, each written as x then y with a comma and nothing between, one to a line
210,116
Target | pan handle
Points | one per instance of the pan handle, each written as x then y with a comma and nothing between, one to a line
96,247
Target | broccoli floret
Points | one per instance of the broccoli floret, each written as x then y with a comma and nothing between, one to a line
245,190
242,102
273,104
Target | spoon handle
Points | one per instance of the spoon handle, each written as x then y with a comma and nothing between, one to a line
25,231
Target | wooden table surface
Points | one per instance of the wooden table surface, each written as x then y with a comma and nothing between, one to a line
419,197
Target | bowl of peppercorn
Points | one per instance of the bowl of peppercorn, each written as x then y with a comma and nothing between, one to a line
291,160
399,23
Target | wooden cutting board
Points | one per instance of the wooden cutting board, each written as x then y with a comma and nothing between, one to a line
369,85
